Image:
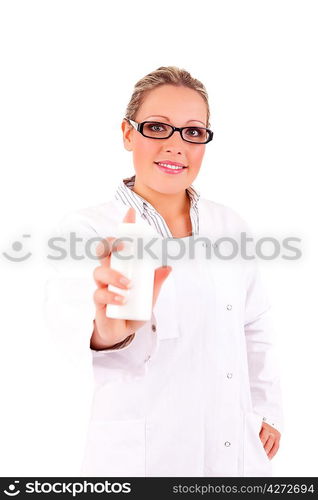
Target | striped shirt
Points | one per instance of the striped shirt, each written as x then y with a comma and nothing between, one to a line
148,212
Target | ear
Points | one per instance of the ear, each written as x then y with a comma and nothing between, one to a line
127,135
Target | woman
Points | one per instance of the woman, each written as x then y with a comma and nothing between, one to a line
194,391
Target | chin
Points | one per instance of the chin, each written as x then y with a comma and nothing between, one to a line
163,189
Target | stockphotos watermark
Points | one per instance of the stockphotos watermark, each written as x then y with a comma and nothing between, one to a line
74,488
77,248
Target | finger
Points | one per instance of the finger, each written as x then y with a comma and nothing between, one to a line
264,433
102,297
269,443
103,250
274,449
105,247
130,215
104,276
271,429
161,273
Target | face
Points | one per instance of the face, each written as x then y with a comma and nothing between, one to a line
178,106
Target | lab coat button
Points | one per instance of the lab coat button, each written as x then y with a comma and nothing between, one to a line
229,375
154,328
264,418
229,307
147,358
227,443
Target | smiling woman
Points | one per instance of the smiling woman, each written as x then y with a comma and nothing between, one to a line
157,162
195,390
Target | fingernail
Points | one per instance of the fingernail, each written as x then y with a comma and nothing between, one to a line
99,248
125,281
123,300
118,246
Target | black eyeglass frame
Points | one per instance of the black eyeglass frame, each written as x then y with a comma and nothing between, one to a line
140,126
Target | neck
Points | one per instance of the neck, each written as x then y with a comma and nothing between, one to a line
169,206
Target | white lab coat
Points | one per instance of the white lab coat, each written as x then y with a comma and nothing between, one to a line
187,396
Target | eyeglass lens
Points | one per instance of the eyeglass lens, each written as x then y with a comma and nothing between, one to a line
162,130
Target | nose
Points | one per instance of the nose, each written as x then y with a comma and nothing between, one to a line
174,143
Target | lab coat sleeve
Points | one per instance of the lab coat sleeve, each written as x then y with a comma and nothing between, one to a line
120,345
263,369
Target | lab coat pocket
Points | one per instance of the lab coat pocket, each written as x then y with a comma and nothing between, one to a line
115,448
256,461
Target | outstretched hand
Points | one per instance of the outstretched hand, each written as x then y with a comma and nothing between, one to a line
110,331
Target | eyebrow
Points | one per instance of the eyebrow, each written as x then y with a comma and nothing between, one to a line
166,118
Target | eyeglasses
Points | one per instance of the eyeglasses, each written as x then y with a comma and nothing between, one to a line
158,130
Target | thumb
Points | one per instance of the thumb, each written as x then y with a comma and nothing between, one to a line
161,274
130,215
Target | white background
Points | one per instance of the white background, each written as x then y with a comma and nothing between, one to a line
67,73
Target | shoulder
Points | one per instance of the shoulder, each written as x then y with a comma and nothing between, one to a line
94,219
78,232
223,216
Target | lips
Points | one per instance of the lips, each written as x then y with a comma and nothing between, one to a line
170,168
172,163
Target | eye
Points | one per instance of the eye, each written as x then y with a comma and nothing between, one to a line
195,132
155,127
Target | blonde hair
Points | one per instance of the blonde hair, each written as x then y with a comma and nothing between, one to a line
164,75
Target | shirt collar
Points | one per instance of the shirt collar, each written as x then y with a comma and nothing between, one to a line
129,197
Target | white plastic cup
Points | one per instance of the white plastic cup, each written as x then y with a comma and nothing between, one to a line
140,269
